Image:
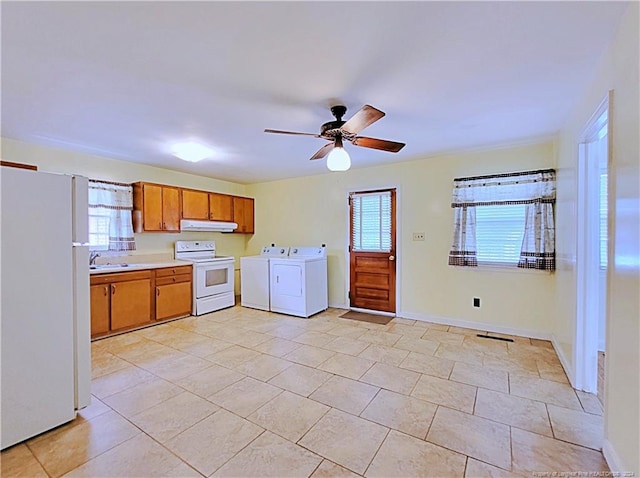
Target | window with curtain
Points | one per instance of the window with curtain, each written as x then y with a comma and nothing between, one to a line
110,222
371,219
505,220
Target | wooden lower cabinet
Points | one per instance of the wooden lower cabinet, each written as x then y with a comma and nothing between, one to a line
173,300
173,292
100,313
130,303
127,300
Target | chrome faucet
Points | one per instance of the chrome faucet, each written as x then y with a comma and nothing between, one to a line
92,257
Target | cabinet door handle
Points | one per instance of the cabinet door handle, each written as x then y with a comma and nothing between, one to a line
113,289
174,279
105,290
164,225
157,291
159,225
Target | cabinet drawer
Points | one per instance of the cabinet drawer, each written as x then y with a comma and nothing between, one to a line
170,271
174,279
119,277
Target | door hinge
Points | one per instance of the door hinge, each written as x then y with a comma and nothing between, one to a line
349,201
349,295
349,248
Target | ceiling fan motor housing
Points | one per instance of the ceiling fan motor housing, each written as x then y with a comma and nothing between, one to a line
331,129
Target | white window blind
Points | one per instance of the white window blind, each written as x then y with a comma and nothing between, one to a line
98,231
371,221
603,221
499,232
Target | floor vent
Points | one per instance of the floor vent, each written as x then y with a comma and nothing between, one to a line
494,338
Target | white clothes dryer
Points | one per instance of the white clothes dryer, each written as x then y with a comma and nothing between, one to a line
299,282
254,277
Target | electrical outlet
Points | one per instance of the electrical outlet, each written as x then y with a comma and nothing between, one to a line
476,301
418,236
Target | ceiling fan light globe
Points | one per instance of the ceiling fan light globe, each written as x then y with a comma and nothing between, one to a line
338,160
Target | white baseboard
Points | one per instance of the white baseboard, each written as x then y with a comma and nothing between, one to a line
564,361
336,305
498,329
612,458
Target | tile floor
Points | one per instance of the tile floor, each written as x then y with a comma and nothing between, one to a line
243,393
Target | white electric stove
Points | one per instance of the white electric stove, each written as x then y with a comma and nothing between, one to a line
213,276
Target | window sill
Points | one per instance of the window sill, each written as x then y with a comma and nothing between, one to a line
508,268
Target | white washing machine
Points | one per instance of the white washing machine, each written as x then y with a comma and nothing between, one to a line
254,277
299,282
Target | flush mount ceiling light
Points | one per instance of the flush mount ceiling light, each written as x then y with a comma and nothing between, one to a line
338,159
191,151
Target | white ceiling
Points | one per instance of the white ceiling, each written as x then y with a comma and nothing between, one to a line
125,79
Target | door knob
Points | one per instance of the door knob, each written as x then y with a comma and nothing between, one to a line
392,258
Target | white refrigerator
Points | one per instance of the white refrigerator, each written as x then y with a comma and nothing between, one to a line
44,310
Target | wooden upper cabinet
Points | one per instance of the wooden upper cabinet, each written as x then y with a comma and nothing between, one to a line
243,214
151,199
160,206
206,206
220,207
170,209
195,204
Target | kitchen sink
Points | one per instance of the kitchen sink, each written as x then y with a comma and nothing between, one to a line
107,266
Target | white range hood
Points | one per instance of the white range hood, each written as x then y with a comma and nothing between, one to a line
208,226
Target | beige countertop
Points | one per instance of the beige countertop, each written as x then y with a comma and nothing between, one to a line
119,267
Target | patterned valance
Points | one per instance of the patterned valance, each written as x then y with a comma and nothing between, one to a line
526,187
110,195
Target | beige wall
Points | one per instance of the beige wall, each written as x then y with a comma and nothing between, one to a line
618,72
313,210
96,167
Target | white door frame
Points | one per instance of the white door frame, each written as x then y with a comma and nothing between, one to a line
588,293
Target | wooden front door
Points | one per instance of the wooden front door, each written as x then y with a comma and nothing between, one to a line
372,250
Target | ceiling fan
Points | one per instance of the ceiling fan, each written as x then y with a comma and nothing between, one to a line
336,131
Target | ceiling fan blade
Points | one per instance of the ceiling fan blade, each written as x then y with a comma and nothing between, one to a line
375,143
363,118
322,152
291,132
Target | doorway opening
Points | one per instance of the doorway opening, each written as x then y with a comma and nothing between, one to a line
592,251
372,251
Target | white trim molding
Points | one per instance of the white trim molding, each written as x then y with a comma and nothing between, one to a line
564,361
613,460
482,326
